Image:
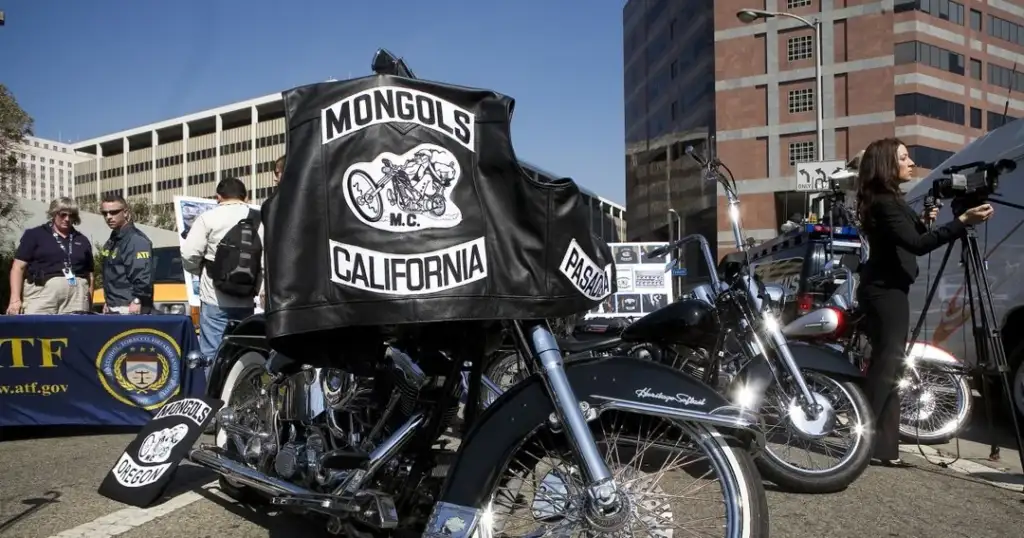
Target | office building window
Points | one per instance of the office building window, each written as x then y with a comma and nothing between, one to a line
923,53
800,48
793,4
975,20
975,69
997,120
975,118
1005,30
919,104
926,157
801,152
801,100
946,10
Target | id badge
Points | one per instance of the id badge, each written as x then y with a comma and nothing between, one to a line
70,276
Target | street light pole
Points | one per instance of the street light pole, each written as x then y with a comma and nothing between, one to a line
750,15
820,93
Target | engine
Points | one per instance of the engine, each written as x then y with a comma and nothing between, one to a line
332,413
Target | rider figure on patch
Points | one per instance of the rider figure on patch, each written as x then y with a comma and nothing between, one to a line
422,170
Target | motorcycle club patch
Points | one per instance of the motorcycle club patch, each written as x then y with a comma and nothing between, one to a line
142,473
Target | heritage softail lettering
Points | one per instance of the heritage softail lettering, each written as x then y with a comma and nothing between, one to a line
408,274
191,408
397,105
682,399
587,276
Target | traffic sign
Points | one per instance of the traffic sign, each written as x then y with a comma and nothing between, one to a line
813,176
679,271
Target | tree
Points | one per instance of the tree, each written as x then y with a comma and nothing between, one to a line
143,212
15,125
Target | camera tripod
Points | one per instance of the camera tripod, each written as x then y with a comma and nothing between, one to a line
988,343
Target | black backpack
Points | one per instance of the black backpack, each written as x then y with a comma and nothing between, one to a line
235,269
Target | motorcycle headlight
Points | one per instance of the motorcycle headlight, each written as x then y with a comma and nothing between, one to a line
174,309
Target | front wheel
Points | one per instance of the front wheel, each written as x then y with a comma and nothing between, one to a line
807,455
671,476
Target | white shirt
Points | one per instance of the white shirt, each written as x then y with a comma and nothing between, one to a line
206,233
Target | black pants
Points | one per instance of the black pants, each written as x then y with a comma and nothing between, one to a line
887,318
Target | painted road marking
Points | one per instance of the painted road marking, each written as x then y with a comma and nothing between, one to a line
126,519
996,477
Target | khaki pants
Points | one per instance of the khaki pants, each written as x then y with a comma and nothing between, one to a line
57,297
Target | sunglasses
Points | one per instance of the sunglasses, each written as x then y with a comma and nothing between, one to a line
65,215
111,212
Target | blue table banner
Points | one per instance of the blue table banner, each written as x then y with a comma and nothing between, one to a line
93,369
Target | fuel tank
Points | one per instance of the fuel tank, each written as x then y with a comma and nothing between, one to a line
819,323
690,322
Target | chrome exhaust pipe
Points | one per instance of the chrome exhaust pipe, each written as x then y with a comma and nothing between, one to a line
241,474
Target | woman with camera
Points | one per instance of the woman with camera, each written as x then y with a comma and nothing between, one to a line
897,236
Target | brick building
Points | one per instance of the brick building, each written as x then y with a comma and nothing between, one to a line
935,73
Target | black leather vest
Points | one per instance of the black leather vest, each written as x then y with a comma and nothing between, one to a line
402,202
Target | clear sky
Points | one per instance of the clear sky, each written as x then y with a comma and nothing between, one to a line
84,68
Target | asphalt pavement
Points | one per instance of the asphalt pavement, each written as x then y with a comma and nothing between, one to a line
48,489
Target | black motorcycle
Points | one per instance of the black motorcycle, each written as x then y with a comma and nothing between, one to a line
726,334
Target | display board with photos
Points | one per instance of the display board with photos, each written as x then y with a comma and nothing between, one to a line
644,282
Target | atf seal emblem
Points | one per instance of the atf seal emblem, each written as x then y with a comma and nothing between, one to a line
140,367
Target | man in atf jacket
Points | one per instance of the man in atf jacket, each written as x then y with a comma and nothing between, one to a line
127,262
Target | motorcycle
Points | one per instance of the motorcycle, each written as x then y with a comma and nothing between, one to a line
936,398
367,451
726,334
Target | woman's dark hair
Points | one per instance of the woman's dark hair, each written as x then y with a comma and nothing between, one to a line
878,173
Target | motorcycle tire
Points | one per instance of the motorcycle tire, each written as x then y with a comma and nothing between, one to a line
912,433
244,369
794,480
729,455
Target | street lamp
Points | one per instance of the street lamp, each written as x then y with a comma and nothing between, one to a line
748,16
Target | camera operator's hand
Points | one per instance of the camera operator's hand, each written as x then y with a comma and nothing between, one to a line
977,215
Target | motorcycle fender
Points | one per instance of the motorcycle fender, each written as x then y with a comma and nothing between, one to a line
755,378
239,339
506,424
823,359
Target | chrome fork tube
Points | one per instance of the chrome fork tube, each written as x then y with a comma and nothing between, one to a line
778,341
544,346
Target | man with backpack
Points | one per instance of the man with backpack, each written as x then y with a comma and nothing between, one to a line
223,247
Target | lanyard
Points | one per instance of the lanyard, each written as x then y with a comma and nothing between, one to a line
68,249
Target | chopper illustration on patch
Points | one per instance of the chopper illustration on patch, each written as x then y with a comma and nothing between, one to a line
405,192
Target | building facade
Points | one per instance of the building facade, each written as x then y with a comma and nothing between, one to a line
935,73
48,167
190,154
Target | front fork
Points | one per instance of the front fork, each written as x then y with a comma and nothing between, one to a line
769,326
542,345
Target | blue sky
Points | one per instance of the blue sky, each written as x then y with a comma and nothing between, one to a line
91,67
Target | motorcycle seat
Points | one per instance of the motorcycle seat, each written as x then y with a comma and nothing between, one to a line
574,345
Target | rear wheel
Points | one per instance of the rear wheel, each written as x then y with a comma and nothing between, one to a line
676,479
242,393
935,410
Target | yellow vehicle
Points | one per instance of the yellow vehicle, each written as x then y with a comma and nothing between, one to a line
169,294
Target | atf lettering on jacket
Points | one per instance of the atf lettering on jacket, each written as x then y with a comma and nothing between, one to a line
408,274
391,104
587,276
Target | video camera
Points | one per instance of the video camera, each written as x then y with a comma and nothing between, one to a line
971,189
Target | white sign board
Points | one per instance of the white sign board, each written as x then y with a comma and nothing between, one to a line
186,209
813,176
644,282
